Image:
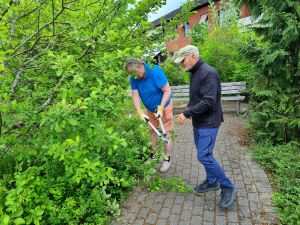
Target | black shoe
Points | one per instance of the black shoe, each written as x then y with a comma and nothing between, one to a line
205,187
228,196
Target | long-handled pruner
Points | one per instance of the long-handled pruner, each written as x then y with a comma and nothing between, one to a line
163,136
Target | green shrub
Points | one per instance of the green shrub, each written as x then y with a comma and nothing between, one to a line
221,45
284,163
175,74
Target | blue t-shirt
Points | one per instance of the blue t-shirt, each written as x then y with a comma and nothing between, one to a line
149,88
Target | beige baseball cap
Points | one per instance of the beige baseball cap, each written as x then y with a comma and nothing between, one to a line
185,51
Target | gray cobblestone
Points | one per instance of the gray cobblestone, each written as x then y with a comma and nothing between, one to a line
232,216
173,219
156,207
143,213
196,220
152,218
165,212
186,215
161,222
208,215
220,220
176,209
253,205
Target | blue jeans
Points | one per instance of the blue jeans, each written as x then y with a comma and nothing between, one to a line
205,139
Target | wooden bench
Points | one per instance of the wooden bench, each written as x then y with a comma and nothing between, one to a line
230,92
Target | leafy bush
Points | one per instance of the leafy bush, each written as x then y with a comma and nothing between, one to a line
221,45
284,163
175,74
70,148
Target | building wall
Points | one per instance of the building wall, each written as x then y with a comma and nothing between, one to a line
181,41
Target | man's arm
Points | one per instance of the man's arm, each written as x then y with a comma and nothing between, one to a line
210,91
136,99
167,94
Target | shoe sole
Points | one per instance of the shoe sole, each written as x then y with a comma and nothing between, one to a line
208,190
163,171
231,200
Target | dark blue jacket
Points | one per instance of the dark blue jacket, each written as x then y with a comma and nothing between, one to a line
205,96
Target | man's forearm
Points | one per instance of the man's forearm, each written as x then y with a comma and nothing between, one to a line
136,100
165,98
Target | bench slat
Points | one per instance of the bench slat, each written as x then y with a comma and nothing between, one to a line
180,94
180,99
241,88
180,87
233,84
226,92
233,98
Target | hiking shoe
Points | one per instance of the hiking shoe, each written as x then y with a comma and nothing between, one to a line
165,166
205,187
228,196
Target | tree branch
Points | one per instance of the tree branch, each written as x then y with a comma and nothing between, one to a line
38,31
18,75
5,11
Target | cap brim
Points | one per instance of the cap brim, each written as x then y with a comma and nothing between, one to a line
179,59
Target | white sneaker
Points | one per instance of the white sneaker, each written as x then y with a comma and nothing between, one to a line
165,166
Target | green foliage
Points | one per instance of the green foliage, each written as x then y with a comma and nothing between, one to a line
284,163
275,106
175,74
221,44
69,146
275,89
170,184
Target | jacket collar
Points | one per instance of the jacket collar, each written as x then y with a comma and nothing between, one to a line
196,66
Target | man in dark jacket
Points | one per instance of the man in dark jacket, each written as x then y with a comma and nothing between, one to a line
205,109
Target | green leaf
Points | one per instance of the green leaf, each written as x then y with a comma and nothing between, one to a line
19,221
57,128
73,122
5,219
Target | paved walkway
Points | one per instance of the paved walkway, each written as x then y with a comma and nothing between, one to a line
253,204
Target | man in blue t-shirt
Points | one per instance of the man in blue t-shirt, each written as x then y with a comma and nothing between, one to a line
150,84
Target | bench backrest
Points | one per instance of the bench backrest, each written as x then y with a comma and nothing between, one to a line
181,93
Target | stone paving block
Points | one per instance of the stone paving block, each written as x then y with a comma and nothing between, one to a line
246,221
139,222
196,220
220,220
168,203
208,216
244,212
242,201
176,209
143,213
221,212
173,219
156,207
165,212
188,205
179,199
197,210
182,222
161,222
232,216
208,223
151,219
186,215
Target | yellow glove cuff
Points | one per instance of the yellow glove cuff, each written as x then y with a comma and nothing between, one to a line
139,111
160,108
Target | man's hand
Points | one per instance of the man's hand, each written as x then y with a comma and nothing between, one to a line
142,115
159,111
181,119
